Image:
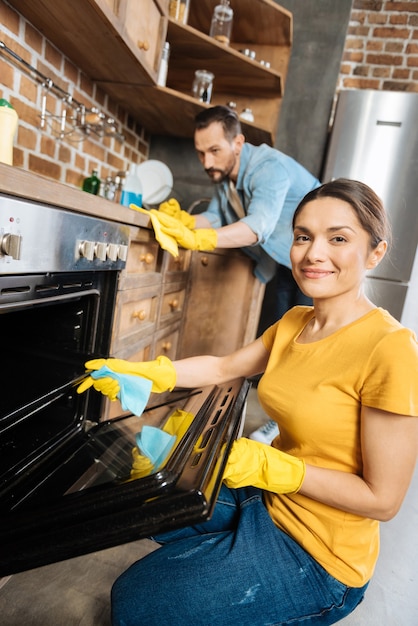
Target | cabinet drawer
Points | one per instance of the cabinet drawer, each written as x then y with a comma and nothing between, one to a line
166,344
143,257
136,316
179,264
172,305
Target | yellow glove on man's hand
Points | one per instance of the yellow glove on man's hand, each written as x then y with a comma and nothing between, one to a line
261,465
199,239
161,372
172,207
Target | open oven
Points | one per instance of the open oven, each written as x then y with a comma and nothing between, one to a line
68,484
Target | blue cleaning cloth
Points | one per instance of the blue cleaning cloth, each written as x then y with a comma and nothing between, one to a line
134,390
155,444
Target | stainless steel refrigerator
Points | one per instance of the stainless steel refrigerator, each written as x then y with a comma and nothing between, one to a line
374,139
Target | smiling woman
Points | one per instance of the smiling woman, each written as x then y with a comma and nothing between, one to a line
294,535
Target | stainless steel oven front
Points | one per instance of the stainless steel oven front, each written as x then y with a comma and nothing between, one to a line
68,484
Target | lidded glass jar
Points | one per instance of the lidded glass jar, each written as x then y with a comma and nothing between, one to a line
179,10
202,85
221,26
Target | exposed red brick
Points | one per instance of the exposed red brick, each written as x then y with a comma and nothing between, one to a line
26,137
412,7
394,33
381,72
43,167
368,5
377,18
401,74
412,61
361,70
399,86
33,38
360,83
412,48
384,59
398,18
6,73
394,46
375,44
9,18
53,56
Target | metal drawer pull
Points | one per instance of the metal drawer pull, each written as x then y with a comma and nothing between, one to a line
167,346
174,304
140,315
147,258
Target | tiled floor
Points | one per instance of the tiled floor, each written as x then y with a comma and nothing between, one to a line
76,592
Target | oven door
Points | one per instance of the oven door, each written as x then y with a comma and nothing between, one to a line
91,494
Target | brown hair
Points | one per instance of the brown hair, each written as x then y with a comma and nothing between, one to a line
364,201
222,114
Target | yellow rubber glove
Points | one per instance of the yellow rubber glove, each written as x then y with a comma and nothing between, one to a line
172,207
161,372
166,242
198,239
261,465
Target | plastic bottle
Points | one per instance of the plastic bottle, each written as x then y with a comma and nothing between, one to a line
163,69
92,183
221,26
132,189
8,126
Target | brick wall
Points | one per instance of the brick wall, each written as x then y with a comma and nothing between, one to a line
67,160
381,48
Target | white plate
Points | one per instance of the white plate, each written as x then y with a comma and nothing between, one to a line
156,180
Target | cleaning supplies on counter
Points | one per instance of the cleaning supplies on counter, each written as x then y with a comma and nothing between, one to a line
221,25
8,126
132,188
92,183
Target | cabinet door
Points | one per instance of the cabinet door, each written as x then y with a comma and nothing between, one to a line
145,26
223,304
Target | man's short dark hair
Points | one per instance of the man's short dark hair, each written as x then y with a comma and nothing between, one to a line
222,114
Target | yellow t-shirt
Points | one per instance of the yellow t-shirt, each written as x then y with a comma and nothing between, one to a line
314,392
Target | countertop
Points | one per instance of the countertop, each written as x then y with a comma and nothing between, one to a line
26,185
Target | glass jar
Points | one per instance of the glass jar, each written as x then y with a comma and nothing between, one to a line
179,10
221,25
202,85
247,115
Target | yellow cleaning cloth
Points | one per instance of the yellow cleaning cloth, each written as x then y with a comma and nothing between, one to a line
167,242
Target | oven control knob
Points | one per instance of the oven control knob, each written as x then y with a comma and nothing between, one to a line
112,251
123,252
100,250
86,250
10,245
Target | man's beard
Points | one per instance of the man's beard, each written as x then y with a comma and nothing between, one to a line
224,174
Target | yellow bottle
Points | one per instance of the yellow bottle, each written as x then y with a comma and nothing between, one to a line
8,126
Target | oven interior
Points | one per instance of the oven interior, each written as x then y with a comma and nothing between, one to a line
67,485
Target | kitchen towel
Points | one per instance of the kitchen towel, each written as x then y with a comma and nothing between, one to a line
167,242
134,391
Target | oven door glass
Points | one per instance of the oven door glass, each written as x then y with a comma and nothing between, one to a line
100,490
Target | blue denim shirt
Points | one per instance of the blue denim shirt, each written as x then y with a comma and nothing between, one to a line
270,185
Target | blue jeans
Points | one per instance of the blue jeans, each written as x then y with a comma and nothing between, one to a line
236,569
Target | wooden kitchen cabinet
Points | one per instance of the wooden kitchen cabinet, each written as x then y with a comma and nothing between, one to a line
118,44
223,304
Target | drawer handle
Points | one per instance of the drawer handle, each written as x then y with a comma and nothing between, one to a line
167,345
147,258
204,261
143,45
174,304
140,315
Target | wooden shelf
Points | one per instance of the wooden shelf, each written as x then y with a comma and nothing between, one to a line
107,49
